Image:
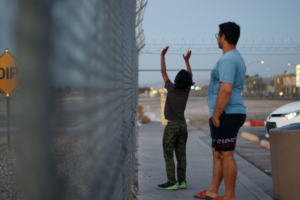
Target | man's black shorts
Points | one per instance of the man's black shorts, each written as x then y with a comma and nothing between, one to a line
224,137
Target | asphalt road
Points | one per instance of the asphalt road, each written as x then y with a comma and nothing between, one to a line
70,111
197,109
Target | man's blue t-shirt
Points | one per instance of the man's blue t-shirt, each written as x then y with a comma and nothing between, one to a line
230,68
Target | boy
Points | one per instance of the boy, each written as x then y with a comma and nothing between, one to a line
175,134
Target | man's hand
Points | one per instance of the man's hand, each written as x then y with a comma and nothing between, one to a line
187,56
216,121
164,51
222,101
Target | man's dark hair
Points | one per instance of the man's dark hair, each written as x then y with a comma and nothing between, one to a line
183,80
231,31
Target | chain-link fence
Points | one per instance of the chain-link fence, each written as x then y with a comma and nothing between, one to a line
78,99
278,86
259,87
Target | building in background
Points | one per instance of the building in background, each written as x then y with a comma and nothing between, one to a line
278,85
298,80
289,85
285,85
259,87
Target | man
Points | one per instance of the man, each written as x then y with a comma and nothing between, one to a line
227,111
175,134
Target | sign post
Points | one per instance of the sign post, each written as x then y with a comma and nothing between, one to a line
9,81
8,122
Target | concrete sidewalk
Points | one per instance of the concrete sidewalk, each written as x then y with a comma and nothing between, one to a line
199,168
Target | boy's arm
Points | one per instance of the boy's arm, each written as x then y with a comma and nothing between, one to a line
163,64
186,59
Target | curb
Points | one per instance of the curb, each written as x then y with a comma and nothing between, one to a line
257,123
250,137
265,143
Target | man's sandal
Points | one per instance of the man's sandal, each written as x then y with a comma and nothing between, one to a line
201,195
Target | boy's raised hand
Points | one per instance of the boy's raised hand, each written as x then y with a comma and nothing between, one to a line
187,56
163,64
164,51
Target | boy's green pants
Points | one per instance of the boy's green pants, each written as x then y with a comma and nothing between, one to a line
175,137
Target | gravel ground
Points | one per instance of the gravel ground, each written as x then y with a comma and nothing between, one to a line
65,169
136,183
76,168
8,176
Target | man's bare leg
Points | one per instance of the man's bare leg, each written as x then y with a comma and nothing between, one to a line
229,173
217,175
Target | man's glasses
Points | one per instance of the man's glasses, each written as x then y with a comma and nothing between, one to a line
217,35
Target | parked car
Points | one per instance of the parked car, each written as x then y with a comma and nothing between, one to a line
287,114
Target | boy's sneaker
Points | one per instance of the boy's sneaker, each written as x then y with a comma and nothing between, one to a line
182,185
168,186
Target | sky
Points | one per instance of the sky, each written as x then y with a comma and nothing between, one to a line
7,12
198,20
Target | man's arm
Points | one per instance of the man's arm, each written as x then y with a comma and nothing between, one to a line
223,98
163,64
186,59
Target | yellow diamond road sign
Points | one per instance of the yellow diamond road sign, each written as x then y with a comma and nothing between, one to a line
9,73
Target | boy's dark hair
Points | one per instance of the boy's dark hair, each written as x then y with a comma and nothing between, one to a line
183,80
231,31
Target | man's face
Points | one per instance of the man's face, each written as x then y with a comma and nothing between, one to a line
219,40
